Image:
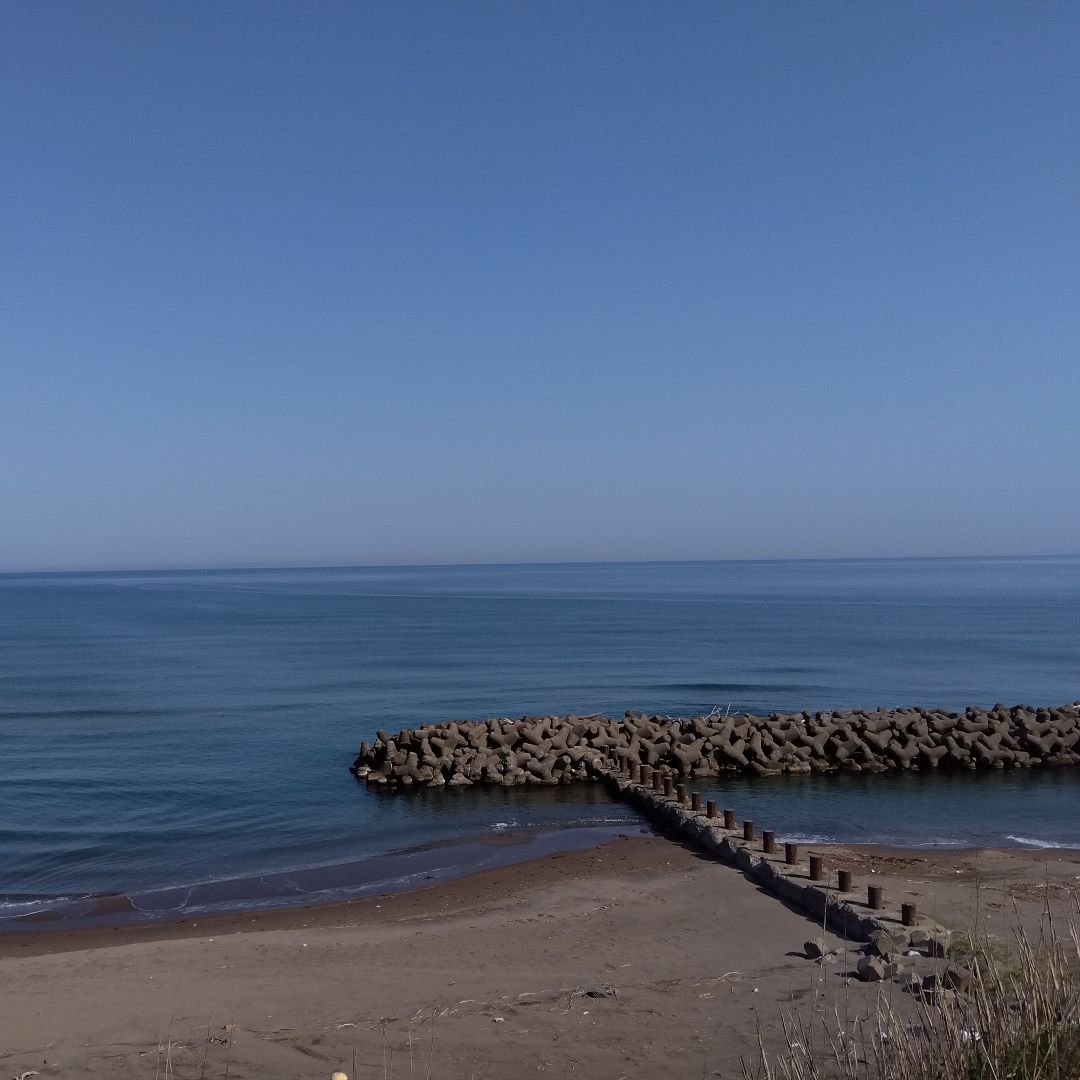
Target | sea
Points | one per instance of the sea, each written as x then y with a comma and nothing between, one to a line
182,739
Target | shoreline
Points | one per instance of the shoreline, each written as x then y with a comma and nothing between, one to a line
304,888
421,899
505,842
635,959
517,861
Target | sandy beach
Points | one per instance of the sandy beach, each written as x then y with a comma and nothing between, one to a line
636,959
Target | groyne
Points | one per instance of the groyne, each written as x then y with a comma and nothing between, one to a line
568,749
827,893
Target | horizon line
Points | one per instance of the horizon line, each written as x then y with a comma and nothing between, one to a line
269,567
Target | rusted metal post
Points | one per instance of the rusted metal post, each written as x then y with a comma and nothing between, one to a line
817,869
710,808
658,782
791,854
748,830
729,819
695,801
680,794
635,773
875,896
669,787
908,914
843,880
646,775
768,841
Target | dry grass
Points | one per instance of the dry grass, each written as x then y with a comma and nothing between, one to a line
1019,1020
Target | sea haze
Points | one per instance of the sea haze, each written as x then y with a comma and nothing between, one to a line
162,729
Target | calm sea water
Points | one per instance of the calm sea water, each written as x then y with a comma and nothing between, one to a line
158,729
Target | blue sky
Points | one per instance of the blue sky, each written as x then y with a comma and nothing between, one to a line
466,282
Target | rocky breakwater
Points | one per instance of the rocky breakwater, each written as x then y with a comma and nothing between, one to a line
561,750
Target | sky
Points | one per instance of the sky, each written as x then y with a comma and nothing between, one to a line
428,282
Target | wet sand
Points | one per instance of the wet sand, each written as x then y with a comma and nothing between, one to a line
393,872
971,890
637,959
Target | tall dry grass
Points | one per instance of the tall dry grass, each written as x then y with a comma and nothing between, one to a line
1019,1020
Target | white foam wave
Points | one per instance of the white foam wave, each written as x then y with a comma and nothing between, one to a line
945,841
602,821
1025,841
552,826
20,909
397,883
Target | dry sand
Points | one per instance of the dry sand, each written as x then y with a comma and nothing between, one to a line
639,959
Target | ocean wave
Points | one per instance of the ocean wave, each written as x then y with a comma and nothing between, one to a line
945,841
18,909
880,840
1025,841
387,885
730,688
566,823
586,823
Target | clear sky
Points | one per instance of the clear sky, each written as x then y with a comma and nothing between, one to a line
302,283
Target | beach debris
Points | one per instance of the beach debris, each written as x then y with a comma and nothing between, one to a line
339,1076
886,944
945,986
956,977
815,949
871,969
927,944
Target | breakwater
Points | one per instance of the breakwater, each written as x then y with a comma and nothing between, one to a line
828,893
567,749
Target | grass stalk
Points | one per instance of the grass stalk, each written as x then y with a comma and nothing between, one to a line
1012,1023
